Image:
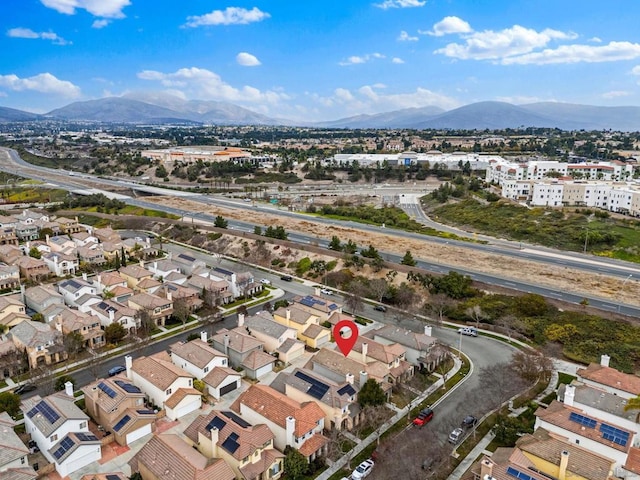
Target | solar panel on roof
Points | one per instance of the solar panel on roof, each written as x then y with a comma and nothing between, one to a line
103,306
127,387
333,306
236,419
582,420
518,474
187,257
146,412
107,389
65,445
347,389
317,389
231,444
113,477
32,412
49,413
86,437
123,421
73,284
615,435
217,422
223,271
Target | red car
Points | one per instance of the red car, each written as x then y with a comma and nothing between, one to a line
424,417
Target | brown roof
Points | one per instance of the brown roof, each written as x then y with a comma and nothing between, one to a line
135,271
315,331
158,371
197,352
168,456
257,359
377,350
558,414
109,279
611,377
217,375
276,407
313,444
249,437
296,315
179,395
238,340
252,471
633,460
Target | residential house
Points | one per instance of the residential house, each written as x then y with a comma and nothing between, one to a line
323,308
42,344
61,431
148,285
186,263
74,288
134,274
338,401
197,357
12,311
40,297
8,236
12,361
33,269
168,456
61,264
73,321
176,278
188,296
106,234
118,407
106,281
84,239
92,256
392,355
218,291
271,333
9,277
109,311
419,347
60,244
244,351
222,380
9,254
602,376
69,226
294,424
162,268
165,385
247,449
27,231
159,309
14,462
307,325
242,284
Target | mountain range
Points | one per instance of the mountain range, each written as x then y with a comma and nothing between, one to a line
159,108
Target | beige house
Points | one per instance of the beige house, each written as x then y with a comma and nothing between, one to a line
391,355
321,307
69,225
134,274
88,326
12,311
32,268
160,309
306,324
271,333
42,344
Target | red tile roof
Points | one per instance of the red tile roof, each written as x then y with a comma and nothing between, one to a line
611,377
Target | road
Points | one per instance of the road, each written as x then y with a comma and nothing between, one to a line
12,163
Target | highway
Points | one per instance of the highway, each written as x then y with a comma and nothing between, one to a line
12,163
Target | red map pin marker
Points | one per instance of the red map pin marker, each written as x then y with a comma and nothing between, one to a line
344,340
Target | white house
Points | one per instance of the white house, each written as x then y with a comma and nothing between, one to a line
109,311
197,357
14,452
61,264
61,431
263,327
222,380
74,288
164,384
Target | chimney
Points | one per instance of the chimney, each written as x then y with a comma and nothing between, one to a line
365,351
141,263
290,431
68,389
46,238
99,278
288,316
155,267
349,378
486,468
84,276
170,256
128,362
241,319
604,360
112,315
22,299
427,330
564,463
227,341
215,436
316,291
569,395
169,296
203,336
364,376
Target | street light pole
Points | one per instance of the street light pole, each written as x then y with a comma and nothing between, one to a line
460,343
622,290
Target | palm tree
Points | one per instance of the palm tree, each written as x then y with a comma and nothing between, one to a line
633,404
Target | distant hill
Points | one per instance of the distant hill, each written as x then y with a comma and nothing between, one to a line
405,118
589,117
13,115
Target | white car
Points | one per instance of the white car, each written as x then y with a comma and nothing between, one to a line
326,291
264,281
470,331
362,470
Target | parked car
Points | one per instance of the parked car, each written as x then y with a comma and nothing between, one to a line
424,417
116,370
286,278
471,331
326,291
265,281
24,388
362,470
469,421
380,308
455,436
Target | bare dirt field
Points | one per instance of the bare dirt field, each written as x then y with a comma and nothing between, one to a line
558,277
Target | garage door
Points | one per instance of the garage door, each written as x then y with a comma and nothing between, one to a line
228,388
139,433
187,408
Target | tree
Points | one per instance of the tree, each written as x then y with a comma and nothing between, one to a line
220,222
371,393
476,314
335,244
531,366
199,385
181,310
123,257
438,305
35,253
114,333
350,247
73,343
633,404
257,230
356,292
507,430
295,464
61,380
379,288
10,403
408,259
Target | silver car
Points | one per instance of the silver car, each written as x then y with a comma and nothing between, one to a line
362,470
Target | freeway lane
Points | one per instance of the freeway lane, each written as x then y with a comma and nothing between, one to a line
589,264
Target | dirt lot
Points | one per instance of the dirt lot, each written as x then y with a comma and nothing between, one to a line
561,278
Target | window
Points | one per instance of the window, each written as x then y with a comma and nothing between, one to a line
53,438
168,392
206,369
224,362
83,424
23,460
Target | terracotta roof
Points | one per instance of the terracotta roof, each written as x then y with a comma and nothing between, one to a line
313,444
257,359
168,456
316,331
276,407
558,414
146,283
135,271
238,340
611,377
216,376
252,471
179,395
377,350
248,437
159,372
197,352
417,341
109,279
296,315
633,460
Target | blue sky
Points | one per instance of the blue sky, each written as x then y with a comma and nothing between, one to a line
320,59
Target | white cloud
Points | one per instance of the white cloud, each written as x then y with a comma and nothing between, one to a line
491,45
355,59
397,60
207,85
247,60
43,82
400,4
405,37
616,94
228,16
636,70
98,8
28,33
595,40
612,52
97,24
519,99
449,25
